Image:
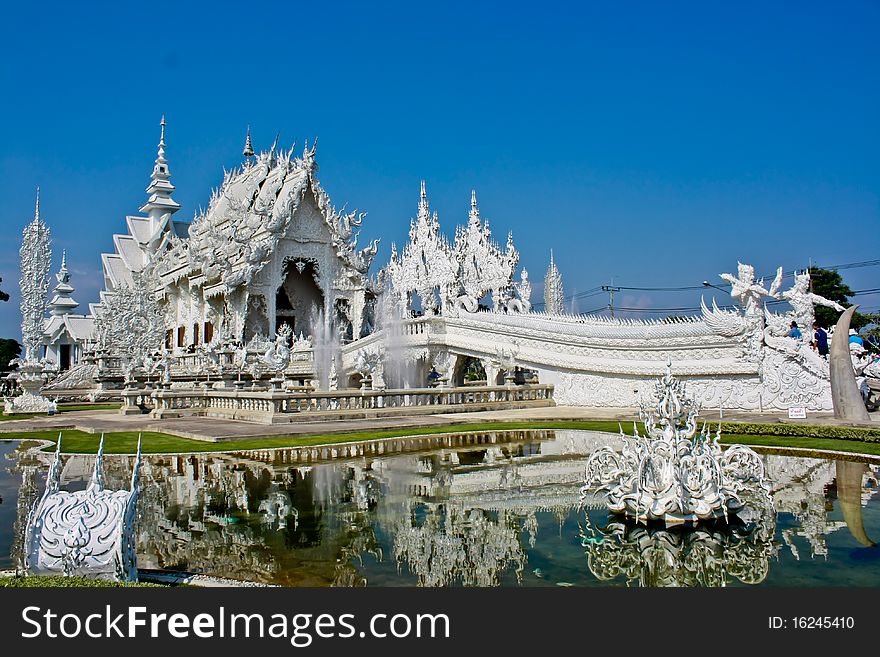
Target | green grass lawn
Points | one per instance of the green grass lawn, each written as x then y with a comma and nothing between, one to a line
804,442
62,408
59,581
78,442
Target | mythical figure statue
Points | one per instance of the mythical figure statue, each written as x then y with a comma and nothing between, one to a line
367,362
802,301
524,290
746,290
277,356
334,374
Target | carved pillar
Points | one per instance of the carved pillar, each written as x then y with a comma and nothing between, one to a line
357,314
271,309
492,368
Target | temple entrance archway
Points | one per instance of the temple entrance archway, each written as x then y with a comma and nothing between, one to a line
469,369
299,297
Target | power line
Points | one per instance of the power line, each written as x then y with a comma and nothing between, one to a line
664,289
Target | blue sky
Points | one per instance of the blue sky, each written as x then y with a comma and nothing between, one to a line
651,143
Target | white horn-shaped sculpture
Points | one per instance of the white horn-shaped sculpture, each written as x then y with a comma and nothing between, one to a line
845,395
88,533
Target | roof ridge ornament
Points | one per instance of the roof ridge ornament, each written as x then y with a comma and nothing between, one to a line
248,147
474,214
423,198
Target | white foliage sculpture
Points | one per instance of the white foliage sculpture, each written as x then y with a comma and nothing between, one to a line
460,275
131,324
673,474
36,258
88,533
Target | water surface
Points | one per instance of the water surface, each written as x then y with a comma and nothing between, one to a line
487,509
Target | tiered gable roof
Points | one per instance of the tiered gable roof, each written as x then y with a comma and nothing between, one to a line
251,211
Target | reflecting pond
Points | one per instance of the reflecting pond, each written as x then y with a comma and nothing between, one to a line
474,509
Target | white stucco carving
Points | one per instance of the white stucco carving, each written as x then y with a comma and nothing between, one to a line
553,294
36,258
87,533
674,473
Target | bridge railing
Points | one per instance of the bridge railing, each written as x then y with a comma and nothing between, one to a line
278,405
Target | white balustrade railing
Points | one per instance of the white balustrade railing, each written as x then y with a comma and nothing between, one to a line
269,405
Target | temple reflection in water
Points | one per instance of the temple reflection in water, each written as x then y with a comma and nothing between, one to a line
487,509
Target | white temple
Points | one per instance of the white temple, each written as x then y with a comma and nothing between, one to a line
65,334
271,250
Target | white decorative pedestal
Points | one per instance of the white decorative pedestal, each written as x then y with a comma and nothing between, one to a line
30,401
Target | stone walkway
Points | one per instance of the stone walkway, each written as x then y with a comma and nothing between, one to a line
212,429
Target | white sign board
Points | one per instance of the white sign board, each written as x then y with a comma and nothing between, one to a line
797,413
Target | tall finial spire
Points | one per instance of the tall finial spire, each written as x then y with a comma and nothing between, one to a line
37,207
553,294
248,148
62,303
160,189
474,215
423,200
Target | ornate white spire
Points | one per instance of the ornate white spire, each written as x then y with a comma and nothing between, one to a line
62,303
160,188
553,295
474,215
248,148
423,201
34,283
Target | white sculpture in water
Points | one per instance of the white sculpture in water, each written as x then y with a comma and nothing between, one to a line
88,533
673,474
